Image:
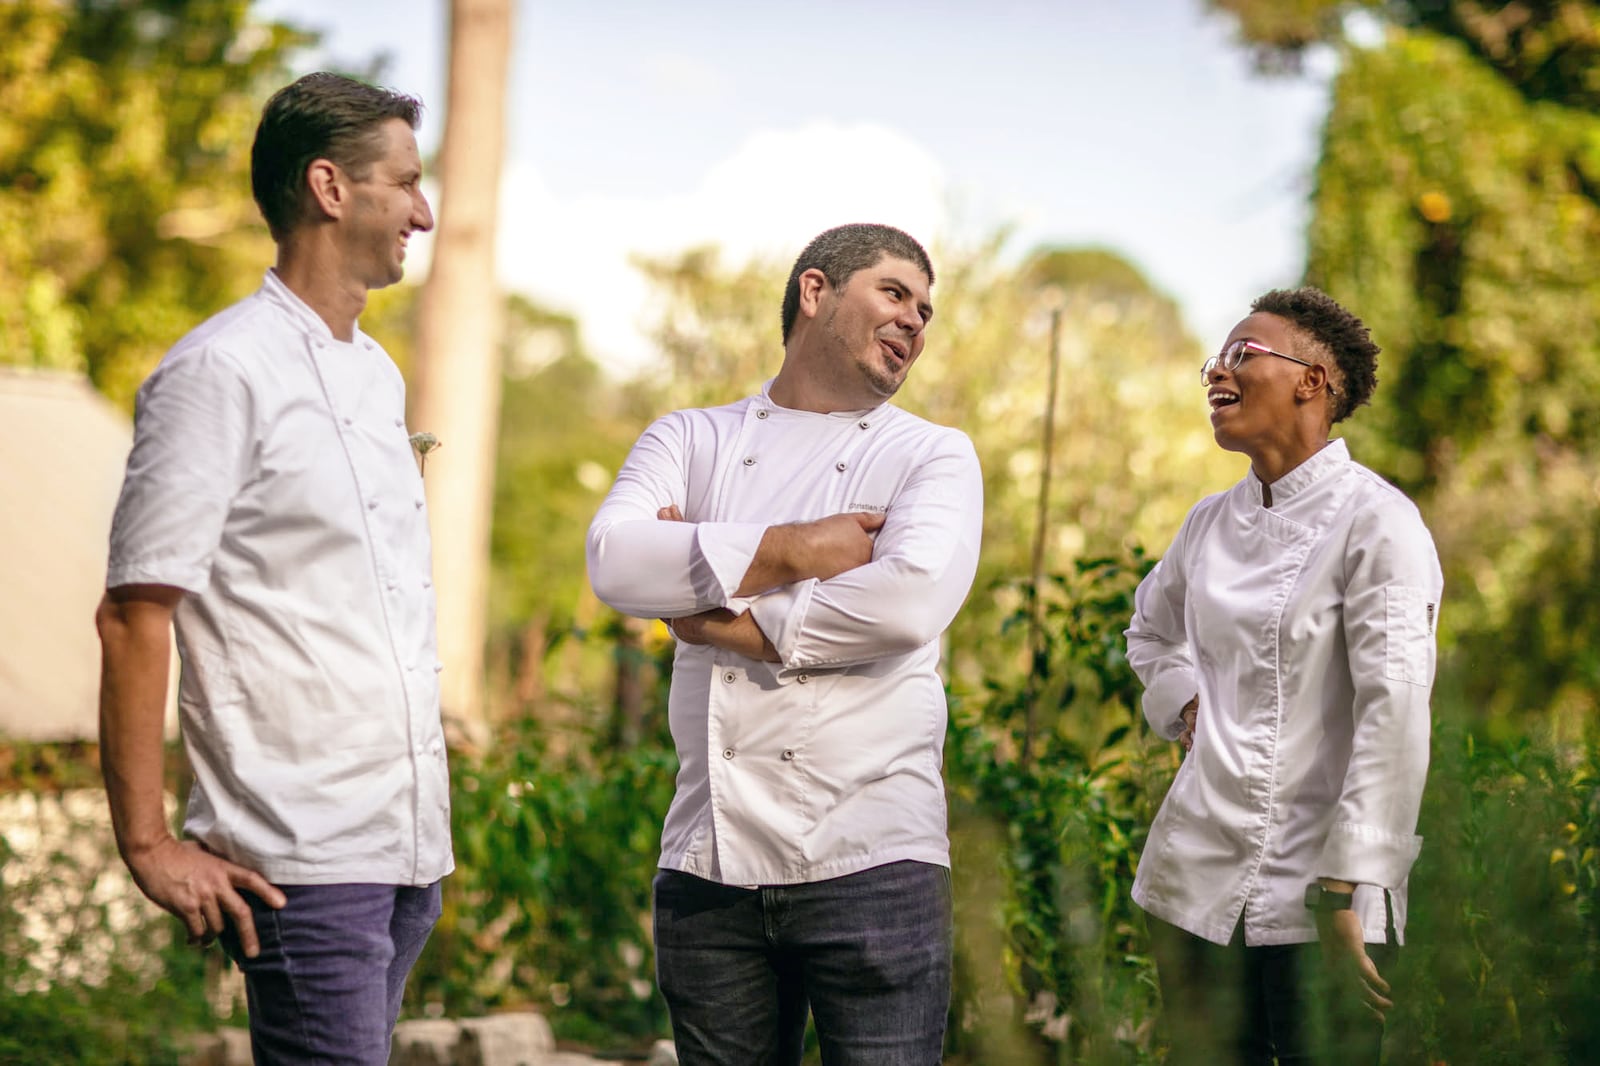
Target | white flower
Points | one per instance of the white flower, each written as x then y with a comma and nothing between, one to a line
424,443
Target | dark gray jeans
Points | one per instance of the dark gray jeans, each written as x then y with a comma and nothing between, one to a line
326,987
867,954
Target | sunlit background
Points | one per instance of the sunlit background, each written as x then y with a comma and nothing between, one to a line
1105,188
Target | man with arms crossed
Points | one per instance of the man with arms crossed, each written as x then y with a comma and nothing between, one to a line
273,510
809,544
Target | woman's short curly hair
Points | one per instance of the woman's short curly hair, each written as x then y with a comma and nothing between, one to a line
1340,335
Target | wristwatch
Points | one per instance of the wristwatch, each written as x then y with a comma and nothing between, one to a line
1321,898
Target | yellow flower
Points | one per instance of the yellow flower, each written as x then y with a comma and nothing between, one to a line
1557,855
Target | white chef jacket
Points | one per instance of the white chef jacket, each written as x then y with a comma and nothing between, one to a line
273,480
829,762
1307,630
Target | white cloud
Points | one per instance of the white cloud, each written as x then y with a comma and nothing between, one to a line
778,190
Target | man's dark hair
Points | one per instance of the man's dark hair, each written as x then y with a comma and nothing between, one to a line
842,251
321,116
1338,334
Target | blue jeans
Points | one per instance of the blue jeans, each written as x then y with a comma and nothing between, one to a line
327,984
867,954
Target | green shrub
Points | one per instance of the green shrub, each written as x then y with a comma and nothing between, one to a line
549,906
1502,963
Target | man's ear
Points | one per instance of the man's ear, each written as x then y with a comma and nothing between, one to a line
813,283
326,183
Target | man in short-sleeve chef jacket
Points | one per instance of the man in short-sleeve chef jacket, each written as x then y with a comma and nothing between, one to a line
273,511
808,546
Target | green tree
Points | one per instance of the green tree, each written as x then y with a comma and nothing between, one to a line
1457,210
1460,221
564,431
125,209
1547,49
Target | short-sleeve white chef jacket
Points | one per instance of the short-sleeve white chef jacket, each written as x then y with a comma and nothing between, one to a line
1307,631
827,763
273,480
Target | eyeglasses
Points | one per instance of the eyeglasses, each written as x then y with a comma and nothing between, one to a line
1239,351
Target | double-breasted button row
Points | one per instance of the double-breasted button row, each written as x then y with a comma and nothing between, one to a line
788,754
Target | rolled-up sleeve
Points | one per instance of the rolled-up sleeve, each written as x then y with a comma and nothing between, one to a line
193,427
1158,644
922,568
650,568
1392,594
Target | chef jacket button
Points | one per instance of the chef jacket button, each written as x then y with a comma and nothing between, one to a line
400,423
839,466
761,413
730,677
803,678
372,505
864,424
749,460
349,421
727,753
788,754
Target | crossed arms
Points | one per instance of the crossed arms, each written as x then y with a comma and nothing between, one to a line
841,590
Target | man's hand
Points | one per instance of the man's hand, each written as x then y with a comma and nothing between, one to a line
1344,950
1190,714
821,549
135,624
721,628
199,888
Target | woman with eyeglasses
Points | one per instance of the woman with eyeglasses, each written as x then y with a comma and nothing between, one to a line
1287,642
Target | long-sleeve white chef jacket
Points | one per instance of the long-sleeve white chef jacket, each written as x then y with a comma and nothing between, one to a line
827,763
1307,631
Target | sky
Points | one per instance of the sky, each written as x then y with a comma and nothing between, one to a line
637,126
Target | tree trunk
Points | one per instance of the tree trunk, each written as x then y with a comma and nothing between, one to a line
456,393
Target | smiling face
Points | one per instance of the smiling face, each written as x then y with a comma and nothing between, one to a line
1253,406
873,328
387,206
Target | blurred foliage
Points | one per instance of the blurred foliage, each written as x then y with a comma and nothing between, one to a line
549,906
125,209
1051,961
90,973
1461,222
564,431
1457,210
1502,956
1546,49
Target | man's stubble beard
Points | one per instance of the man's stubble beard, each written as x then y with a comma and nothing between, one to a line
882,385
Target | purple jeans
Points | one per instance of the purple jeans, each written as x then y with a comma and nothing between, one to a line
327,984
